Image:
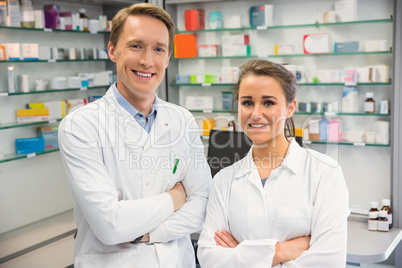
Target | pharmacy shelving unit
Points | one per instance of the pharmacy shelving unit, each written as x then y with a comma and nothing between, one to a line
376,166
36,200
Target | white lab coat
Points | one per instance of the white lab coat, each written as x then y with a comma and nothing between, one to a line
306,195
119,175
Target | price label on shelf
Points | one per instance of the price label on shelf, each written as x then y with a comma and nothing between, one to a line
83,88
330,114
3,94
31,155
206,84
307,142
52,121
207,111
359,144
51,60
350,84
47,30
262,27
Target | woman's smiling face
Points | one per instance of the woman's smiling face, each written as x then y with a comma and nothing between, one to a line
263,108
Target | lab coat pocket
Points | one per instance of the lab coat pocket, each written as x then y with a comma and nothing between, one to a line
293,222
125,259
172,176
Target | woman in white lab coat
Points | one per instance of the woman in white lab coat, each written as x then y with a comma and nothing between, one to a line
282,205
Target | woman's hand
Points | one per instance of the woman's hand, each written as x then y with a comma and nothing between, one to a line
224,239
289,250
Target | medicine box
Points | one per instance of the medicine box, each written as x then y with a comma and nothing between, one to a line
236,50
32,115
30,145
284,48
215,20
227,97
185,46
238,39
211,78
73,104
52,16
50,136
208,51
182,78
199,102
346,10
194,19
316,43
30,51
229,74
261,16
375,45
350,100
346,47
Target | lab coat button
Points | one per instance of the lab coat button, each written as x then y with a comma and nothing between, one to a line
147,183
166,124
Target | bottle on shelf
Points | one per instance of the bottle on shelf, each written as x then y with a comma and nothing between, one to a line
373,221
369,103
383,224
374,206
231,124
27,14
83,20
386,206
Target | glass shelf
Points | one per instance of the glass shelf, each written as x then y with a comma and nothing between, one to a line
289,26
50,30
347,143
50,61
341,114
343,84
202,85
216,58
299,84
12,157
211,111
51,91
329,54
15,124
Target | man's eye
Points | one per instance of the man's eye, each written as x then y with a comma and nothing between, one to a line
160,49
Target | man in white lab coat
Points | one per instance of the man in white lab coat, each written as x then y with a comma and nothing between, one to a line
135,163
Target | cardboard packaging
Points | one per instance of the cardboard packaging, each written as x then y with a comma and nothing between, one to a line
30,145
262,16
215,20
52,16
194,19
208,51
316,43
199,102
346,10
229,74
346,47
50,136
350,100
185,46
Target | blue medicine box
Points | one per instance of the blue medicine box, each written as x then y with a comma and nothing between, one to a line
182,79
346,47
30,145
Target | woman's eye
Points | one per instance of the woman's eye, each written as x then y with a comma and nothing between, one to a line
247,103
268,103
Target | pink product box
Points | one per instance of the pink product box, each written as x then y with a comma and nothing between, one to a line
68,20
334,130
52,16
208,51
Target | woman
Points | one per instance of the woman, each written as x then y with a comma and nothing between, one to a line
281,205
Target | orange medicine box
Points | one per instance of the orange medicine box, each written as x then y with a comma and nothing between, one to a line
194,19
185,46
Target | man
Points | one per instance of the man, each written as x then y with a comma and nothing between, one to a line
135,163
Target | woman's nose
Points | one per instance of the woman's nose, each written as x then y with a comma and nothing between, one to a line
256,114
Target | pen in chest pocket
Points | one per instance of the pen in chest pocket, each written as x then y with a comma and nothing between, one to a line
175,165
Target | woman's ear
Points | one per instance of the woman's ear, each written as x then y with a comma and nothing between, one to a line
291,109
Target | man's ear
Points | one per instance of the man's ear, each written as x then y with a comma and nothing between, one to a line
111,52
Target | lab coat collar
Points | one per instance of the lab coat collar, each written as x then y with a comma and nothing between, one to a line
291,161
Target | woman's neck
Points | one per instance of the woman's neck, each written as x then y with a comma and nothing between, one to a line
270,156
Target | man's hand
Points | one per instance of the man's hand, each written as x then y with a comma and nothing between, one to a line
289,250
178,195
224,239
